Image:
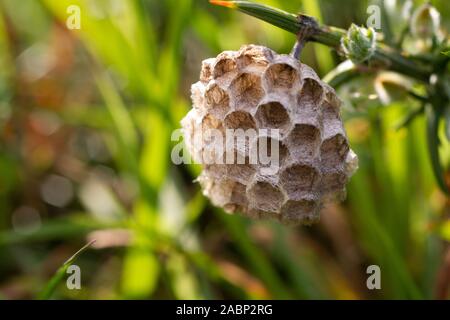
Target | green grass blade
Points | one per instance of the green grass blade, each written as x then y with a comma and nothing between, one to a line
254,257
51,286
433,118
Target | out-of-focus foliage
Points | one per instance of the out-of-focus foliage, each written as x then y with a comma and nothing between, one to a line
86,118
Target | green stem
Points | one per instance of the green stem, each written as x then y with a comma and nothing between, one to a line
327,35
434,114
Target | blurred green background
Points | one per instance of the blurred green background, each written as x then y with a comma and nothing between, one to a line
85,123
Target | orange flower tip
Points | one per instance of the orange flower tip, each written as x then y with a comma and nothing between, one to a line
228,4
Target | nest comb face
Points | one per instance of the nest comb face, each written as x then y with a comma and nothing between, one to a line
256,88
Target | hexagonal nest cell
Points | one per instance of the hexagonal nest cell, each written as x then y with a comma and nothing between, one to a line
206,71
217,100
281,76
302,209
256,88
334,181
312,91
241,173
273,115
333,151
253,55
209,121
299,179
269,151
265,195
239,120
304,141
247,91
224,64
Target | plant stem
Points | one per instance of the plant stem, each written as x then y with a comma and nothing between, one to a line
330,36
310,25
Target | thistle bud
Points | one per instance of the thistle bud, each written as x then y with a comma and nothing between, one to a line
359,43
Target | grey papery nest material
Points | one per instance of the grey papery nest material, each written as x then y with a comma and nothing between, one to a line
256,88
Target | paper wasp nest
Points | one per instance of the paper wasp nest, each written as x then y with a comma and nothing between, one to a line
256,88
